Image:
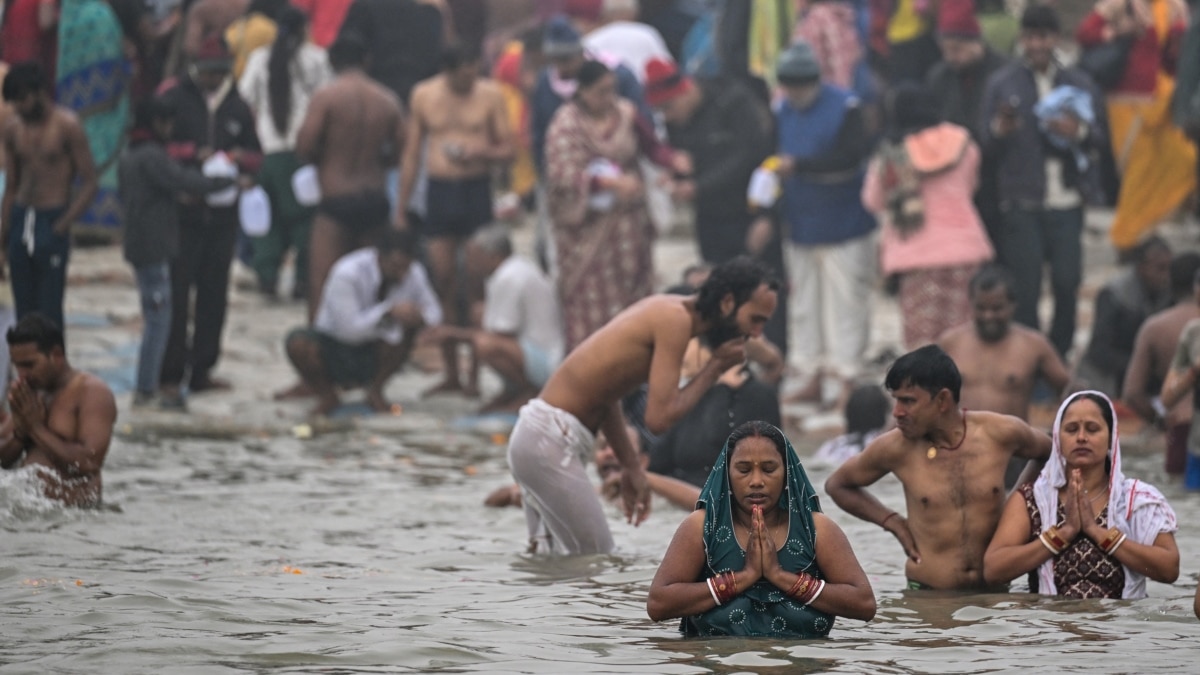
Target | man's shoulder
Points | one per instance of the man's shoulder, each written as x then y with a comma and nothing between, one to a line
91,388
957,336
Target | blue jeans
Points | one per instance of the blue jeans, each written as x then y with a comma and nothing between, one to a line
39,279
1027,240
154,289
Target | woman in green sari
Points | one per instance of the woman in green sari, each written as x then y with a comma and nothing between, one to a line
725,574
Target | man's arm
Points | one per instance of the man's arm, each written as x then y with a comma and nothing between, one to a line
310,137
501,149
1026,442
1137,377
1051,366
12,176
635,490
846,487
680,493
666,402
411,156
85,456
85,174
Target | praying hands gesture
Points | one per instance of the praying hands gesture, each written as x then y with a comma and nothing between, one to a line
762,555
28,410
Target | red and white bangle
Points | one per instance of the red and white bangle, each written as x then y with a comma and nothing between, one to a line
713,591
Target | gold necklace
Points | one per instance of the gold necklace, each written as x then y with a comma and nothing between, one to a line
933,450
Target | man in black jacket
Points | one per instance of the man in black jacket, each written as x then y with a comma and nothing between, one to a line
211,118
728,131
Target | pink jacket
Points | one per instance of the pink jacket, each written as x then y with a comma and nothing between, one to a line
953,233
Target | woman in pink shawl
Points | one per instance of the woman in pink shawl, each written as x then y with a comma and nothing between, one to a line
1053,525
597,202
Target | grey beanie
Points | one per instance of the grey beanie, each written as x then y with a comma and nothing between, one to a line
798,64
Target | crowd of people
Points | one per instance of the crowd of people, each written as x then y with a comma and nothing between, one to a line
826,148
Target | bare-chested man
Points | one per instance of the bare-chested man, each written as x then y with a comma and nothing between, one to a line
552,442
1000,361
951,465
62,418
353,132
50,179
460,120
1153,350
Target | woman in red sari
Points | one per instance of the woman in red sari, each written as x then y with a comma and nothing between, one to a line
602,230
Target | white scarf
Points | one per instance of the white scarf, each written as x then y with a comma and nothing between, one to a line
1136,508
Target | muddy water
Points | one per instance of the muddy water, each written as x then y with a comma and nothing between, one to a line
360,553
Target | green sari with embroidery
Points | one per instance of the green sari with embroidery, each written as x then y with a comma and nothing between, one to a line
762,610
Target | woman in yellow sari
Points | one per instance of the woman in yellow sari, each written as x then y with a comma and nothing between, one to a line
1156,161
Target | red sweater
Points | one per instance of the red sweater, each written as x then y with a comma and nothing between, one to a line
1145,57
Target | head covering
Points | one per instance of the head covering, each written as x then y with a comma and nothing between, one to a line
956,18
1040,17
798,63
1138,509
763,609
213,54
664,82
560,38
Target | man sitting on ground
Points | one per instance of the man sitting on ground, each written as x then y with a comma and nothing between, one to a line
375,302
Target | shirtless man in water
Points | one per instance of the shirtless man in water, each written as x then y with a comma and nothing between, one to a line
353,132
951,465
50,180
1001,361
461,122
552,441
62,418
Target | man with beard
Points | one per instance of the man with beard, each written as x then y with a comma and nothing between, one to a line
1000,361
552,441
951,464
50,181
62,418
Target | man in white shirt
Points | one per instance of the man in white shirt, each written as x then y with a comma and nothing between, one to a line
375,302
521,334
618,33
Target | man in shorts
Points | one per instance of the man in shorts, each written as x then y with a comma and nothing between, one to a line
374,304
521,337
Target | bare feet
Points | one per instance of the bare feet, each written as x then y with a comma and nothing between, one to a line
376,400
448,386
325,405
298,390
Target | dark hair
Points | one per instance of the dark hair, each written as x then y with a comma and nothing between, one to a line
590,73
404,241
23,79
757,429
1150,245
272,9
866,410
349,51
151,110
456,56
1041,18
927,368
989,278
1183,272
741,277
531,40
38,329
288,41
911,108
1105,411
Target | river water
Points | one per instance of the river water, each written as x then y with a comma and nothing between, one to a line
372,553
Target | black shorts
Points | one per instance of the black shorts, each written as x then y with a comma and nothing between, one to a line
345,364
457,208
358,214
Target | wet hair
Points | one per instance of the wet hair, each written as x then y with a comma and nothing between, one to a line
928,368
288,41
741,277
494,239
590,73
1106,412
758,429
989,278
1040,18
349,51
456,56
1183,271
23,79
866,410
391,240
38,329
